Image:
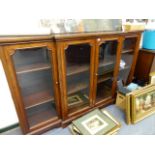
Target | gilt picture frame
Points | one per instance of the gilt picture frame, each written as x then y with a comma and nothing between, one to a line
95,123
152,78
77,99
142,103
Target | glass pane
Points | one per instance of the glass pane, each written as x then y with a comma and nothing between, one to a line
127,59
129,43
33,70
78,76
107,60
124,72
41,113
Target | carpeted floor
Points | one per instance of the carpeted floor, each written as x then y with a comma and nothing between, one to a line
144,127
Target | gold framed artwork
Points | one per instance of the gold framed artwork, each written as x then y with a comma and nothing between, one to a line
142,103
95,123
128,104
77,98
128,109
152,78
124,103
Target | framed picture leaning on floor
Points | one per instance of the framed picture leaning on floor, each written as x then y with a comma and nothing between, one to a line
152,78
143,103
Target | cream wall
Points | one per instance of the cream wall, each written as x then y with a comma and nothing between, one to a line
22,27
8,114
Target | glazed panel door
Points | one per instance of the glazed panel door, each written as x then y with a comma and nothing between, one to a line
106,70
129,56
34,77
76,71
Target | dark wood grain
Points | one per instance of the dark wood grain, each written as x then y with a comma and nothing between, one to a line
145,65
76,69
37,99
41,117
95,39
36,121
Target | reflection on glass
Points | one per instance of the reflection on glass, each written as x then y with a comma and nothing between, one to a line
78,76
33,70
129,43
107,60
124,72
127,59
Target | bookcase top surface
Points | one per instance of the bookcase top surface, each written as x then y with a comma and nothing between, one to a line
93,34
59,37
24,38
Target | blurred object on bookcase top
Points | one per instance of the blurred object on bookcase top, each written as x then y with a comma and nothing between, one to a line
134,24
137,20
81,25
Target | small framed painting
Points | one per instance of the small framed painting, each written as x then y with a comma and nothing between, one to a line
152,78
143,103
95,123
77,99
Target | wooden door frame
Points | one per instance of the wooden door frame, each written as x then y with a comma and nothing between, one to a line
10,50
61,47
100,41
135,55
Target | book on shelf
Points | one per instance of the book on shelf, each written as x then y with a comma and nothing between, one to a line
97,122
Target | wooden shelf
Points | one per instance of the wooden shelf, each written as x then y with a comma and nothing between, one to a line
127,51
106,63
106,71
78,107
80,68
77,68
76,88
37,99
100,80
41,116
103,93
33,68
126,67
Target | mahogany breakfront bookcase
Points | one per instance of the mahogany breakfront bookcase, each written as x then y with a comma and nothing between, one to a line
57,78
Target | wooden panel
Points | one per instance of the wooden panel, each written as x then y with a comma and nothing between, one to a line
37,99
24,38
91,35
135,56
143,66
41,115
75,69
153,65
33,68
